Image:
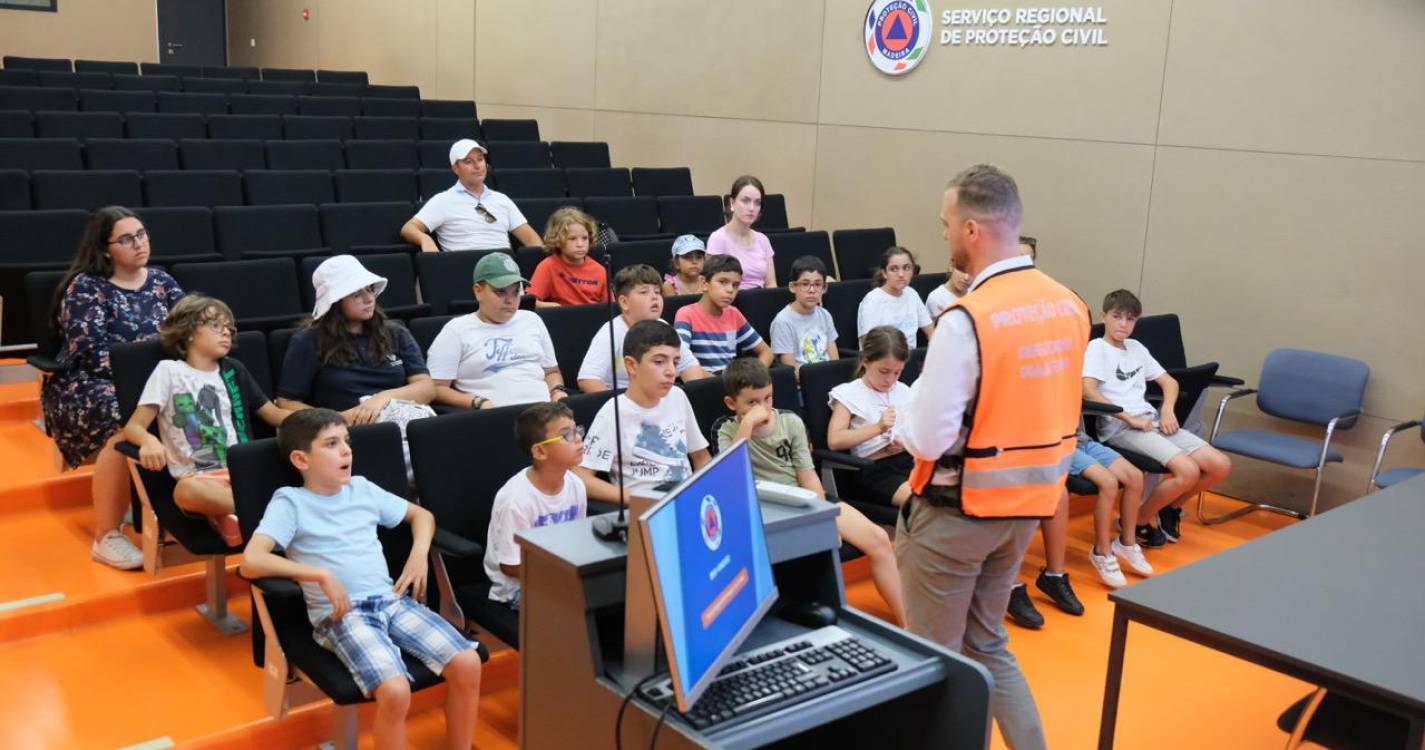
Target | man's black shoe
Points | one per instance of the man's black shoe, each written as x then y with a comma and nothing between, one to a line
1058,589
1151,537
1021,609
1170,520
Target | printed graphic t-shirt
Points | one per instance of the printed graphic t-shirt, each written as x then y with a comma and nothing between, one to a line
520,505
504,363
195,414
656,442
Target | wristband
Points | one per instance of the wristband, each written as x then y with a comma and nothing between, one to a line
560,387
477,401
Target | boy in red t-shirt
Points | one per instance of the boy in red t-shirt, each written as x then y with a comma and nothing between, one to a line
568,276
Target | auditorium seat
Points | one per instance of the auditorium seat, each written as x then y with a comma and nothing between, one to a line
516,154
350,225
760,306
631,218
87,189
251,127
214,153
655,253
580,154
373,106
374,91
193,187
19,77
538,210
386,128
788,246
398,300
90,80
447,130
842,300
375,185
386,154
261,292
106,66
37,63
510,130
571,328
457,108
342,90
532,183
180,234
434,154
690,214
586,181
314,154
14,190
37,98
291,89
445,277
434,180
662,181
153,83
16,124
329,106
299,75
36,241
100,100
262,104
342,76
40,153
81,125
169,69
925,283
674,303
172,101
858,251
774,214
239,72
302,127
266,231
165,125
213,85
277,187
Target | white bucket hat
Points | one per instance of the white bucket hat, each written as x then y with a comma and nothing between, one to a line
339,276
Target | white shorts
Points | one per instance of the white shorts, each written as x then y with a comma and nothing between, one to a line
1156,445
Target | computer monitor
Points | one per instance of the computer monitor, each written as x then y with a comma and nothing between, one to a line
712,578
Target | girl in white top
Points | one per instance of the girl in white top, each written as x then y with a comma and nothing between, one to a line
863,412
893,302
737,238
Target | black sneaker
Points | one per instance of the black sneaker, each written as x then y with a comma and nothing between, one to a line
1021,610
1058,589
1151,537
1170,520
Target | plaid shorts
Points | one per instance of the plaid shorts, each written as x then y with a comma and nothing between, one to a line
370,638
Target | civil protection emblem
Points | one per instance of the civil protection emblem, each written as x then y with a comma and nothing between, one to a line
711,522
897,34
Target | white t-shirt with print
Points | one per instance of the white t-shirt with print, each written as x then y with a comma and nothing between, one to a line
656,442
596,359
939,298
806,337
881,308
866,405
195,416
504,363
1122,376
520,505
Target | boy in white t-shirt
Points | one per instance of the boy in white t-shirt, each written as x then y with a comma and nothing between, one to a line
661,441
1117,370
636,288
498,355
542,495
803,332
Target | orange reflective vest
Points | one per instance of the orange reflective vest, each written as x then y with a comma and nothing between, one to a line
1032,332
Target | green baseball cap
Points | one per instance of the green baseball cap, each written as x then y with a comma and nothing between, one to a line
498,270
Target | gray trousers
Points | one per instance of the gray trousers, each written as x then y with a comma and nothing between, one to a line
956,573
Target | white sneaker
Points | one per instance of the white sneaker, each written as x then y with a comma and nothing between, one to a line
115,550
1108,570
1133,556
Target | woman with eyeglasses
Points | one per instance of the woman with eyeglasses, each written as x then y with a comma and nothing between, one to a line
110,296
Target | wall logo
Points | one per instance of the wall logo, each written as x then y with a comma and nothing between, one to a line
711,523
897,34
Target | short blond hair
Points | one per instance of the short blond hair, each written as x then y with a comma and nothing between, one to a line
556,231
185,316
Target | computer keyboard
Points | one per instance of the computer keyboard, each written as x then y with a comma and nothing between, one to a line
785,673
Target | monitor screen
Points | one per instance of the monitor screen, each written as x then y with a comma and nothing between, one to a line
712,579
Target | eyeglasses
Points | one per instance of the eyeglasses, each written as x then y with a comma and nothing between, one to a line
568,434
129,240
218,325
485,213
810,286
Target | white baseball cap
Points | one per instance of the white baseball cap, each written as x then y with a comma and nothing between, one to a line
462,148
338,277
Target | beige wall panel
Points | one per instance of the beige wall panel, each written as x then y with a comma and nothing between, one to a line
1260,251
781,154
555,124
86,29
284,40
750,60
1303,76
454,50
1086,202
393,42
1102,93
535,52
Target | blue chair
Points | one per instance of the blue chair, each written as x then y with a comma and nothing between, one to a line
1382,479
1321,389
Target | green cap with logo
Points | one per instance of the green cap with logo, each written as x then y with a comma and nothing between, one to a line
498,269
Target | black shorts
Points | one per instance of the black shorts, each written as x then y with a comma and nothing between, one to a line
879,483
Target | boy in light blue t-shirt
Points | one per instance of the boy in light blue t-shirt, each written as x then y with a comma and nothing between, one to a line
327,528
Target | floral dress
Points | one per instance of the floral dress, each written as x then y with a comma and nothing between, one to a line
80,409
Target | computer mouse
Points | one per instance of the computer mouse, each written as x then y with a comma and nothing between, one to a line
809,614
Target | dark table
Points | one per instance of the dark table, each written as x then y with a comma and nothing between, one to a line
1337,600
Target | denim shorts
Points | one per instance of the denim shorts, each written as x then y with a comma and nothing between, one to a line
1087,453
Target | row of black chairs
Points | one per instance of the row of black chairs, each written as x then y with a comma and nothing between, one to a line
17,64
60,99
100,80
260,126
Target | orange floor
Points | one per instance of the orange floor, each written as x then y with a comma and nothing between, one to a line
94,658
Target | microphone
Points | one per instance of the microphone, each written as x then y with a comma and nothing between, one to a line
605,528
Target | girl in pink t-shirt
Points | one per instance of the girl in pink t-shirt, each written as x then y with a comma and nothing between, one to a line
737,238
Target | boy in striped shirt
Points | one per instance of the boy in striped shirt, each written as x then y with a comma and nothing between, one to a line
713,329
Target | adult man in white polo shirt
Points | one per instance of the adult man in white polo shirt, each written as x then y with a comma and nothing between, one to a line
468,216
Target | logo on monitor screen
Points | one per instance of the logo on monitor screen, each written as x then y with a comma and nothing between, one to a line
897,34
711,525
